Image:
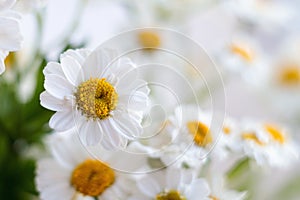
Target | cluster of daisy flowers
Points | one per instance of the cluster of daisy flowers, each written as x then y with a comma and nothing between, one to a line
100,105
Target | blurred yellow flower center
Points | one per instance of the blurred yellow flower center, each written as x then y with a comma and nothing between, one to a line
252,137
92,177
201,133
290,75
275,133
171,195
96,98
243,52
226,130
149,40
10,60
213,198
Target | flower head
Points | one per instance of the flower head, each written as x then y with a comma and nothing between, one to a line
98,95
73,174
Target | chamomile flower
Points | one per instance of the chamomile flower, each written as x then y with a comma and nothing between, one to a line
171,184
281,82
244,57
268,143
103,99
72,174
9,30
191,138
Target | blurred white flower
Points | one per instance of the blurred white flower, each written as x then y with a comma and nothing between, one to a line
171,183
281,81
191,138
264,13
72,174
268,144
11,38
243,56
97,94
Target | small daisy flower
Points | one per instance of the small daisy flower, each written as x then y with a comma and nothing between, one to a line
103,99
281,82
268,144
170,184
72,174
9,30
243,56
191,138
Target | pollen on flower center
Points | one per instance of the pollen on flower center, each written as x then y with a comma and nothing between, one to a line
201,133
149,40
92,177
275,133
252,137
213,198
243,52
290,75
171,195
96,98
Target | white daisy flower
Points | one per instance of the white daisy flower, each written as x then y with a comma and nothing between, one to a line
11,38
268,144
191,138
243,56
72,174
102,98
281,82
171,184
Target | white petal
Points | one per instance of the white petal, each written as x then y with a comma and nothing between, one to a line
72,70
60,191
136,101
123,70
3,55
90,133
53,68
50,102
111,134
94,64
198,188
79,55
62,121
149,187
58,86
126,125
10,39
173,178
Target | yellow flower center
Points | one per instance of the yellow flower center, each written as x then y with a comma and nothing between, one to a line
252,137
92,177
213,198
96,98
243,52
149,40
226,130
290,75
171,195
275,133
10,60
201,133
